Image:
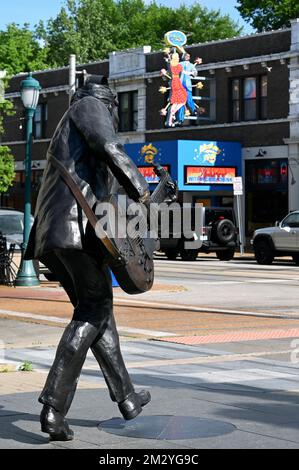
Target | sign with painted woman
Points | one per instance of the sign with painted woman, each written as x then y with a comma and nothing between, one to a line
180,74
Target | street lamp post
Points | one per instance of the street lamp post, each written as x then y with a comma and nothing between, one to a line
30,90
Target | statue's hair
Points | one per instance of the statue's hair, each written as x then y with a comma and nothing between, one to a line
96,86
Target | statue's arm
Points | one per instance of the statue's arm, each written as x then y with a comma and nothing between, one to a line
94,122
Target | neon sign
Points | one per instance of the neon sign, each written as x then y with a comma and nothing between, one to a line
209,175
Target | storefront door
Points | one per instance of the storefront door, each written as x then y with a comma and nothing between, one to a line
266,193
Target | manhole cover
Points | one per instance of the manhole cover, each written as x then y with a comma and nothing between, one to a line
167,427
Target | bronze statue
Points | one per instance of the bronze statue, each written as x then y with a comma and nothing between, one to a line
85,142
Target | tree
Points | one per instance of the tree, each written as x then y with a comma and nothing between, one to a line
93,28
20,50
7,166
265,15
85,28
7,169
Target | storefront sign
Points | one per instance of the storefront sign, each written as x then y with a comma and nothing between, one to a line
209,175
212,164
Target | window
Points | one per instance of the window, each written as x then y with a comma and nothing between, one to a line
291,221
40,121
264,95
267,172
249,98
236,100
11,224
128,111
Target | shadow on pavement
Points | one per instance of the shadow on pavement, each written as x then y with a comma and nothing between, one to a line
10,429
221,406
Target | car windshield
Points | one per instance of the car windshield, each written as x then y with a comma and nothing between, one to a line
11,224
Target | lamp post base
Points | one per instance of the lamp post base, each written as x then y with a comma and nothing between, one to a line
26,276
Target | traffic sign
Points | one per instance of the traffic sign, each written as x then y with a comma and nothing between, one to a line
238,186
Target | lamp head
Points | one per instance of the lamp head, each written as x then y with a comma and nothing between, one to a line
30,89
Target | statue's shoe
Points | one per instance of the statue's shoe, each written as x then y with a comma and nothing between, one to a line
132,406
54,424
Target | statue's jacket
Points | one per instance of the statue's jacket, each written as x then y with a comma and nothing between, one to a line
85,142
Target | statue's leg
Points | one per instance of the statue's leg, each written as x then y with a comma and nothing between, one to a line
90,290
92,326
107,352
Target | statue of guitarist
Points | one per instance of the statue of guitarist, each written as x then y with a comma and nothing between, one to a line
85,143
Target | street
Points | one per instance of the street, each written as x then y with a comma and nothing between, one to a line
238,284
215,343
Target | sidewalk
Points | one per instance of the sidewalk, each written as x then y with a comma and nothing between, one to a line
217,380
203,396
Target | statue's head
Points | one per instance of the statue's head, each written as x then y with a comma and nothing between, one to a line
175,59
98,87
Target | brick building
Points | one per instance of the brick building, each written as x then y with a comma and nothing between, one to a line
264,122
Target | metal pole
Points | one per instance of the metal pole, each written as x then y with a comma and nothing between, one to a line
72,76
27,276
240,220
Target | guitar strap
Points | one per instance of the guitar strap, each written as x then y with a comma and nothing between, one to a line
78,195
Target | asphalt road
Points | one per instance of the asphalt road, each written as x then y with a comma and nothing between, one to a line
240,284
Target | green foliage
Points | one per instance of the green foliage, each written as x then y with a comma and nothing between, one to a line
7,169
93,28
6,106
265,15
20,51
85,28
26,367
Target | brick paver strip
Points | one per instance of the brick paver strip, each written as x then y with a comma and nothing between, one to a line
235,337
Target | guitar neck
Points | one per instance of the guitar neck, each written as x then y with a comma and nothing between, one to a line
158,195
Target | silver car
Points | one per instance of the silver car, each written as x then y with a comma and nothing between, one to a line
281,240
12,226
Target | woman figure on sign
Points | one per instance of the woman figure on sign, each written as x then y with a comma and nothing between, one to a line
179,95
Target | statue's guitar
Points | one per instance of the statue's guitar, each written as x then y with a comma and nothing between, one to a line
129,257
133,266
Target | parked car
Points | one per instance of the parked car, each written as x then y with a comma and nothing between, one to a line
281,240
219,235
12,226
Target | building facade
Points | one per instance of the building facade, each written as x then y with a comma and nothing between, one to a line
250,101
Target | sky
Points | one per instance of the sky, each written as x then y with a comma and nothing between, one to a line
31,11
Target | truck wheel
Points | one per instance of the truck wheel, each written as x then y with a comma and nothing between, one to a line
263,252
171,254
226,255
189,255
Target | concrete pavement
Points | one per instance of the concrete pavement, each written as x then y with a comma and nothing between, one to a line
233,395
216,343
